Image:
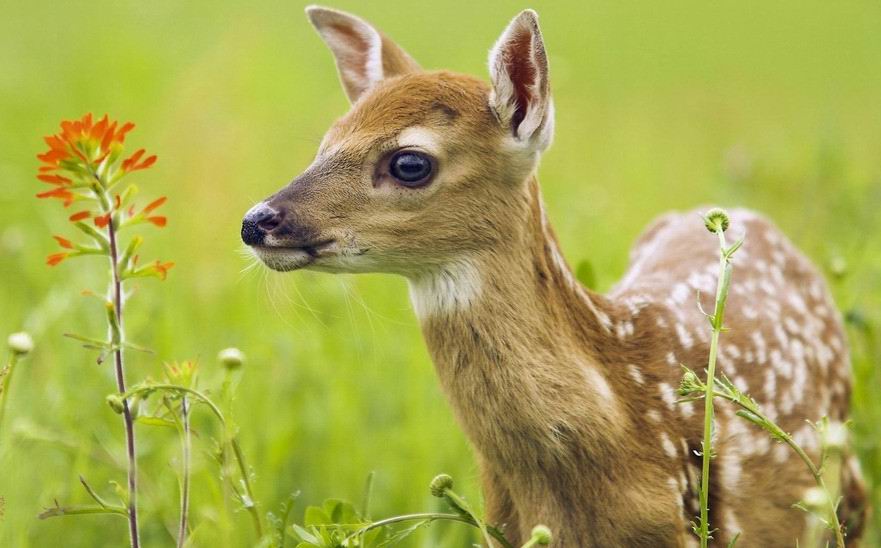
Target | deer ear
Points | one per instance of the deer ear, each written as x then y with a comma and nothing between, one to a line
521,94
364,56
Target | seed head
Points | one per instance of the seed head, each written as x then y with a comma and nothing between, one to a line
440,484
542,535
20,343
716,219
231,358
116,403
690,383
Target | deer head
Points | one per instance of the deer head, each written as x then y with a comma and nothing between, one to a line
426,166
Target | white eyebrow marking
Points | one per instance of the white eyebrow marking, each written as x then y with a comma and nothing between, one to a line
420,137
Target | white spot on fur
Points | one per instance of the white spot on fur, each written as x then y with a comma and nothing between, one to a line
685,338
449,289
730,523
668,446
599,383
635,374
668,395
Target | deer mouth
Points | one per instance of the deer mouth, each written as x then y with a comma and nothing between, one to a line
285,257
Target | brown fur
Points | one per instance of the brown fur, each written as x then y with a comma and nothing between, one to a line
568,395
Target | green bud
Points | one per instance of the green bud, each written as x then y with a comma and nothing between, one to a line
231,358
542,535
716,219
690,383
20,343
116,403
440,484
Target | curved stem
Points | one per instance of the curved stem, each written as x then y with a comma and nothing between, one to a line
816,473
430,516
251,505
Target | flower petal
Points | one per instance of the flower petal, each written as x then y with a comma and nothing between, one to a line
155,203
64,242
76,217
56,258
102,220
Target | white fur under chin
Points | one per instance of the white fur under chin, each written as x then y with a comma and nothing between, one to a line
451,288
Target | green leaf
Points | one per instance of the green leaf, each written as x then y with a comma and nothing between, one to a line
316,516
304,536
400,535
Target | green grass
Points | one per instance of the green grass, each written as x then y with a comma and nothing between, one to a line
771,106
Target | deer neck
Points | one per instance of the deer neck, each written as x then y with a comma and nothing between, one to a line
519,348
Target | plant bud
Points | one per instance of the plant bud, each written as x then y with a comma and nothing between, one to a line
542,535
716,219
231,358
440,484
116,403
20,343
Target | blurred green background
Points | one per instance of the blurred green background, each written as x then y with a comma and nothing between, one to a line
771,105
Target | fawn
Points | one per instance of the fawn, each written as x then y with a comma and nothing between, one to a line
568,396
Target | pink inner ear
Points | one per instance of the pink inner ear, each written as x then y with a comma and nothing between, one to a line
353,56
523,73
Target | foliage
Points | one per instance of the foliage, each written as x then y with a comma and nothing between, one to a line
770,106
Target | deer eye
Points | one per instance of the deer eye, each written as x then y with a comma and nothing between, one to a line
410,168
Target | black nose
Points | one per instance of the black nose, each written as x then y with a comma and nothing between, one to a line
258,222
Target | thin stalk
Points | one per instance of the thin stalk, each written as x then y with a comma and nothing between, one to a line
185,472
707,445
5,381
251,505
784,436
118,338
81,510
430,516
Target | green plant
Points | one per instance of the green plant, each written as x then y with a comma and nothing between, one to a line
691,387
716,221
20,345
85,165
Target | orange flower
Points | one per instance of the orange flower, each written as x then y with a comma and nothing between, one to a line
61,193
88,144
131,163
63,242
56,258
102,220
76,217
155,204
54,179
158,220
163,268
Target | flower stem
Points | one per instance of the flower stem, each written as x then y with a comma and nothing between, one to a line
707,444
185,472
427,516
117,335
5,381
230,437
